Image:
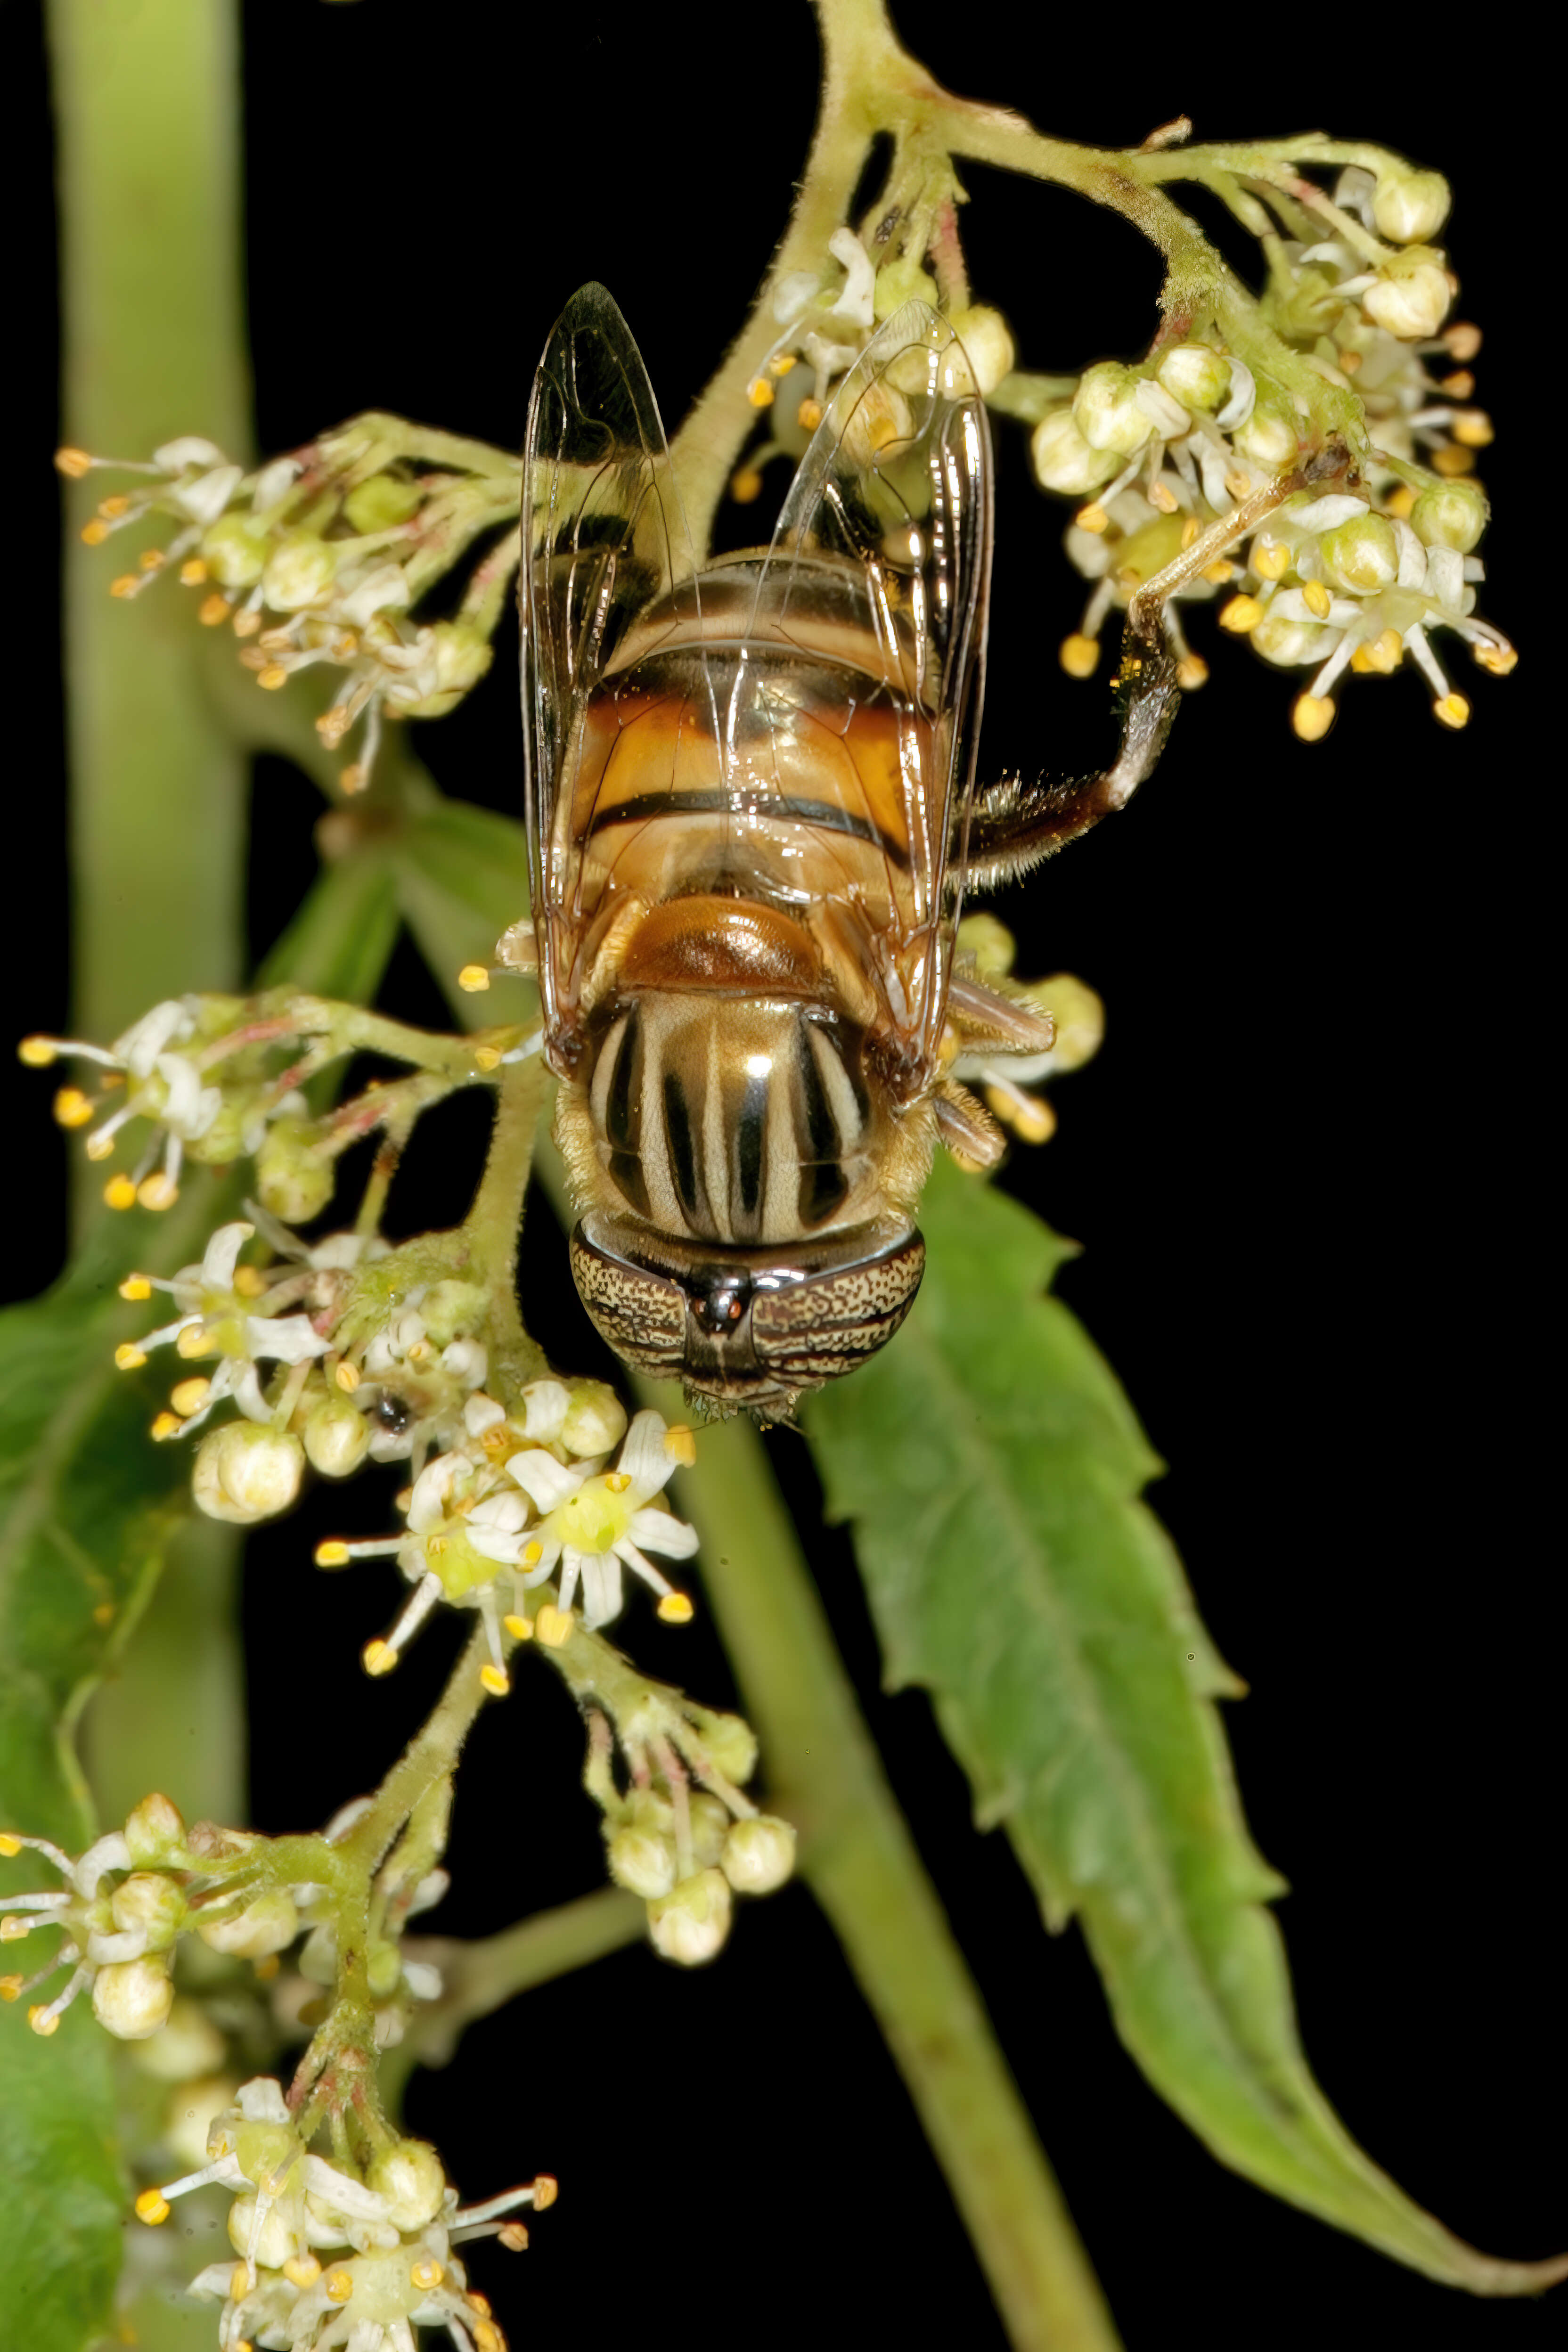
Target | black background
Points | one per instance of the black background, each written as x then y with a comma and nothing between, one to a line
1307,1171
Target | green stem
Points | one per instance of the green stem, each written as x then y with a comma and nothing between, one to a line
428,1757
494,1223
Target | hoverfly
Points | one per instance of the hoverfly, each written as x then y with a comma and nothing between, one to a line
750,788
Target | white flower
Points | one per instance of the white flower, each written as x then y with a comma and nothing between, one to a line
216,1317
594,1522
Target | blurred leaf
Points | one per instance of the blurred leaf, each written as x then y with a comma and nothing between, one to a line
990,1466
462,880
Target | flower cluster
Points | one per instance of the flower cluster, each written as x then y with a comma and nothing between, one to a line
1009,1082
1177,457
522,1496
335,2259
320,556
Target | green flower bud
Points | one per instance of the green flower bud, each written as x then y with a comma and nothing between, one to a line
1144,553
132,1998
1363,554
156,1833
1454,514
234,550
410,2176
448,1308
266,2154
382,503
1410,296
1079,1016
299,571
1195,374
898,282
1410,207
1063,460
152,1905
595,1418
1285,642
1270,437
384,1970
990,943
688,1924
710,1824
267,1925
641,1861
270,2242
337,1435
462,655
189,2046
1105,409
246,1471
292,1178
987,345
731,1745
759,1854
193,2109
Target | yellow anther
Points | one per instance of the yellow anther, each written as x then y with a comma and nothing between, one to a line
337,2286
519,1628
346,1376
37,1052
676,1609
1454,460
1474,429
1499,659
1238,484
136,1287
193,1342
1386,652
191,1395
474,978
425,2275
1189,533
250,1281
1349,361
532,1553
1459,385
332,1553
11,1987
151,559
1219,571
104,1614
378,1657
546,2189
126,585
1161,496
94,533
345,645
1311,716
402,1497
1241,614
246,621
513,2236
1092,518
353,777
435,1545
214,611
239,2283
151,2207
10,1844
129,1357
1270,559
272,677
496,1680
1316,598
616,1482
552,1626
111,508
487,2336
478,2303
680,1444
487,1057
1453,711
73,463
43,2020
809,415
120,1192
13,1929
193,572
1078,655
745,486
98,1147
760,391
301,2270
781,362
72,1107
265,1969
1191,671
166,1424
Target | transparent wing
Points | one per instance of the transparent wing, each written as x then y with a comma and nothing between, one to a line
609,539
883,553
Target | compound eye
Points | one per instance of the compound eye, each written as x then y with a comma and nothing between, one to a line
641,1315
809,1332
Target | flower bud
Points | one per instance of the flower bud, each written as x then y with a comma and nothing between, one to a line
641,1861
461,655
987,345
1105,409
898,282
190,2045
267,1925
246,1471
383,1969
759,1854
382,503
270,2245
192,2110
451,1307
234,550
1195,374
410,2176
132,1998
152,1905
1285,642
337,1436
1064,461
1452,515
595,1418
154,1833
1079,1013
731,1745
1363,554
880,418
1410,207
711,1823
293,1179
1268,437
1409,297
299,571
688,1926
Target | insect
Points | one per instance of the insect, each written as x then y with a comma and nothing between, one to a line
751,819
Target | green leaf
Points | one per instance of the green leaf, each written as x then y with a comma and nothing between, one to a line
87,1508
462,880
990,1467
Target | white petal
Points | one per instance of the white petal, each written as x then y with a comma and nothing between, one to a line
545,1405
205,499
1168,418
1325,514
145,1039
855,304
431,1500
1445,576
1412,556
602,1597
481,1413
1243,396
640,1566
424,1981
505,1513
660,1531
549,1553
643,1458
283,1339
344,2195
261,2100
549,1482
571,1570
245,1386
221,1255
189,449
274,483
108,1853
378,592
213,2280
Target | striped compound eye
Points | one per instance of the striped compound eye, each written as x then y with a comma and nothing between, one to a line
746,1328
